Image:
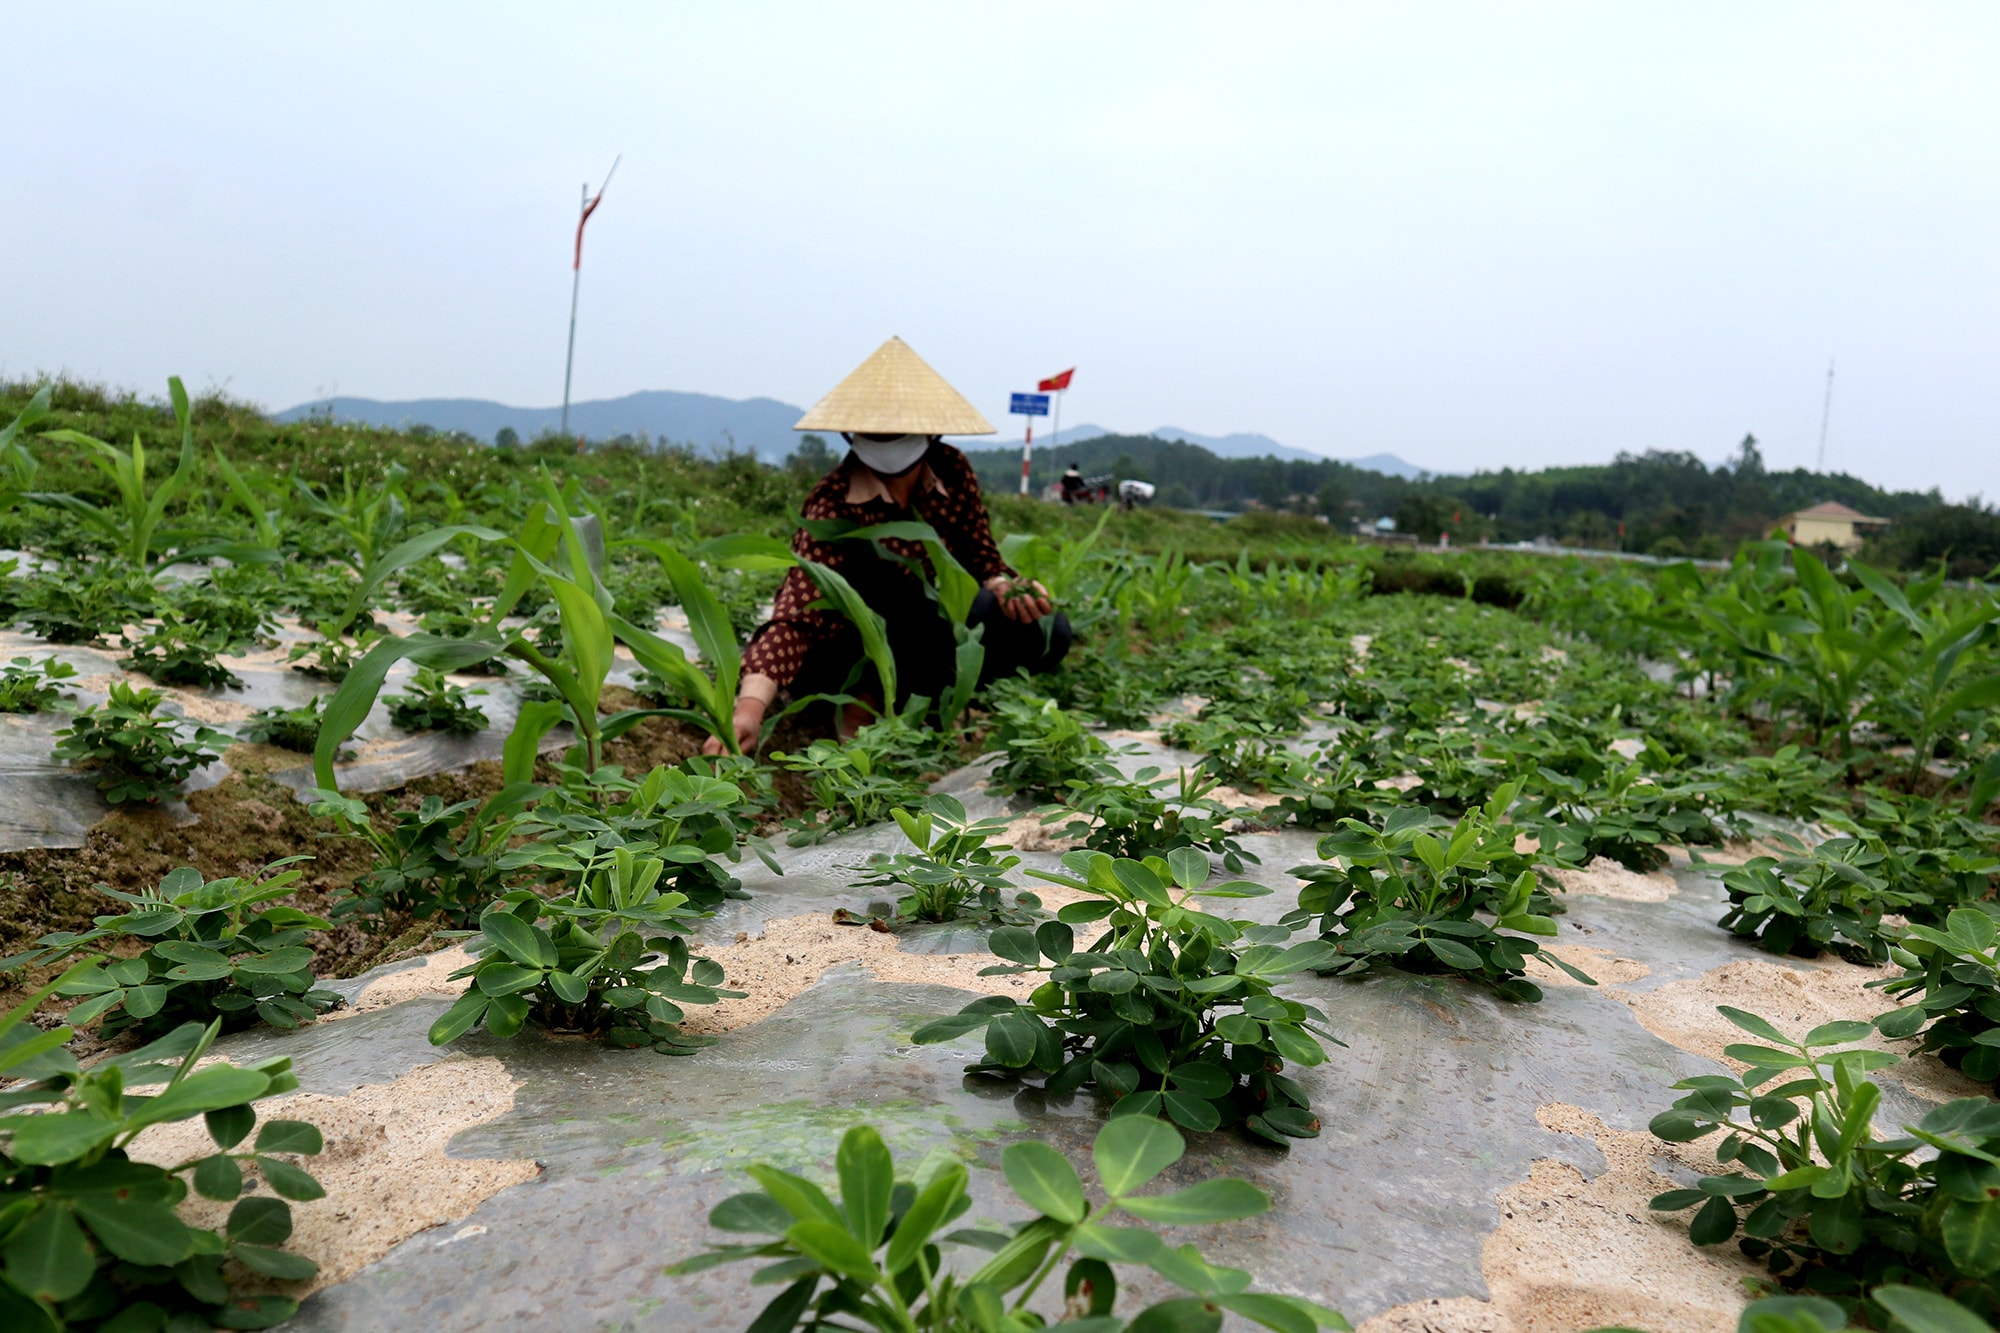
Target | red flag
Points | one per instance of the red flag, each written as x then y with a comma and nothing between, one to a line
1056,383
589,208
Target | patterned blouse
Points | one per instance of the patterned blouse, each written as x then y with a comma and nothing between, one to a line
946,496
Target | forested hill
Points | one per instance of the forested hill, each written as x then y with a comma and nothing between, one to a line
1659,498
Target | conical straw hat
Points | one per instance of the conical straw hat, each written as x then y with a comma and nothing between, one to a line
894,392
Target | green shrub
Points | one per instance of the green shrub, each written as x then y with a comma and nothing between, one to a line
1151,815
137,752
610,961
211,950
436,704
29,686
176,653
1954,976
330,657
852,786
1044,749
448,861
1819,1199
1169,1011
1829,897
287,728
85,610
92,1239
873,1259
684,816
1415,894
953,873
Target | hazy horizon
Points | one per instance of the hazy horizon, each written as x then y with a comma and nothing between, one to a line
1470,236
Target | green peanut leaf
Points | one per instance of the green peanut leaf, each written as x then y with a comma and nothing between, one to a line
1045,1181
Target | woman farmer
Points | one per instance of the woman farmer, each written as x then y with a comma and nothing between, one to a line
891,411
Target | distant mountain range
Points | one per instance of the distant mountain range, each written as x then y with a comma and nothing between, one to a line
761,425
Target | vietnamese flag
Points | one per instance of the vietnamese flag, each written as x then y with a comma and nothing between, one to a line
1056,383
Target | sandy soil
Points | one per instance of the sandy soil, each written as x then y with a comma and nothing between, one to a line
789,957
427,979
197,706
1729,854
1796,997
1572,1253
1605,878
1607,968
776,967
385,1168
1027,833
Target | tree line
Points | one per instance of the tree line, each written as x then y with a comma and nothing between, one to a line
1666,503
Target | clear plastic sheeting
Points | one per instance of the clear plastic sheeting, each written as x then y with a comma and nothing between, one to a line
1429,1110
44,803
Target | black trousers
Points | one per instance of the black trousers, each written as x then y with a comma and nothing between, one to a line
923,644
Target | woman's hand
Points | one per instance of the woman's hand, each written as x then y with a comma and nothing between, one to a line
748,721
1023,600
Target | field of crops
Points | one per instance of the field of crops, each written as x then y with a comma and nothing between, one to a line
1456,943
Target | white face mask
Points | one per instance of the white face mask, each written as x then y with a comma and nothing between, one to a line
890,457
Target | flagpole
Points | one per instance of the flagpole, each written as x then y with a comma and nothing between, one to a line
1055,436
584,209
575,285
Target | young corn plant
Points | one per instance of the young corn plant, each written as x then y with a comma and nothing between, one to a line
371,521
132,523
874,1258
93,1238
1821,1200
1169,1012
17,465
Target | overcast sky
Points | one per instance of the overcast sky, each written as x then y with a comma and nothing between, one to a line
1471,235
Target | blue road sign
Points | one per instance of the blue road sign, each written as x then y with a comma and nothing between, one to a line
1029,405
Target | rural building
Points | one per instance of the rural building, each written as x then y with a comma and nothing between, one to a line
1830,524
